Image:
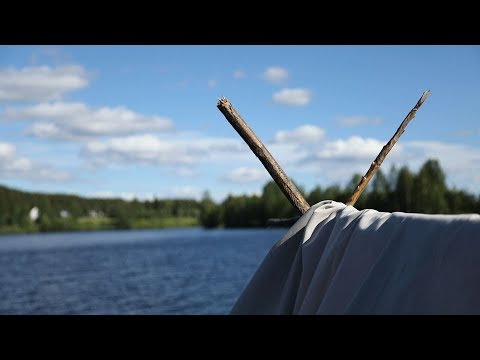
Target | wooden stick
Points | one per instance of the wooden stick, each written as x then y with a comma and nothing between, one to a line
385,150
274,169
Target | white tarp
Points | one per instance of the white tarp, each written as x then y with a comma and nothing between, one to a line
339,260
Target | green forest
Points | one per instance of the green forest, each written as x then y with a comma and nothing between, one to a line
400,189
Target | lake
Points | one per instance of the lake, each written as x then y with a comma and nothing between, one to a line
161,271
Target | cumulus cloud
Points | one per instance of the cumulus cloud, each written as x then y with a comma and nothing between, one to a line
239,74
143,148
292,97
331,160
175,192
302,134
150,149
336,160
320,159
357,120
41,83
124,195
460,162
275,74
289,153
76,121
102,194
355,147
187,192
309,144
246,175
12,165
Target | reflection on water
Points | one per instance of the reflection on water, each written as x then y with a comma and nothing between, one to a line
175,271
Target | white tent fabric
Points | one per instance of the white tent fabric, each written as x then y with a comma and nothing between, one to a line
338,260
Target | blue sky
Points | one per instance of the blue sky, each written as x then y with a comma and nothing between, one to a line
141,121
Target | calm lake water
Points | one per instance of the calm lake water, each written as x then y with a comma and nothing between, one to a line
173,271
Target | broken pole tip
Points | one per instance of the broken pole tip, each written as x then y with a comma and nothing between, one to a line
221,99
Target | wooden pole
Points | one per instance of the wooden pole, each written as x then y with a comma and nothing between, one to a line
259,149
385,150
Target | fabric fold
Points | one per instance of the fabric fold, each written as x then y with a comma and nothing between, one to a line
338,260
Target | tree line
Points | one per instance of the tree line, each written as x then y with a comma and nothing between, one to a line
81,213
400,189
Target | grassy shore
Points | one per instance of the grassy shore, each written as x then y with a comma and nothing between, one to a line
17,229
101,223
167,222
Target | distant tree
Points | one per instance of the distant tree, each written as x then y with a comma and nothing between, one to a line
334,192
402,190
121,218
44,223
379,198
243,211
234,212
430,189
392,177
459,201
315,196
353,183
210,212
275,204
403,193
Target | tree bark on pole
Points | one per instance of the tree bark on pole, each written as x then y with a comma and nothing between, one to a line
385,150
262,153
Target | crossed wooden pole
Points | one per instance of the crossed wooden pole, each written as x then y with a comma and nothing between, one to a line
277,173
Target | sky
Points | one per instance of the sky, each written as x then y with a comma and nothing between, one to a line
142,122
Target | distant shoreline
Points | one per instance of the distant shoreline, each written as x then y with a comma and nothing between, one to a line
96,224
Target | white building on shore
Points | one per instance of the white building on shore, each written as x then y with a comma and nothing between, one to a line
34,214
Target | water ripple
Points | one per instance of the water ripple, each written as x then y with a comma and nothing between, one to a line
175,271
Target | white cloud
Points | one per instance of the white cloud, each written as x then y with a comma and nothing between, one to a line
246,175
239,74
352,148
41,83
130,196
289,153
293,97
246,192
7,150
275,74
12,165
336,160
357,120
143,148
179,151
102,194
460,162
175,192
124,195
330,160
212,83
187,192
76,121
302,134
